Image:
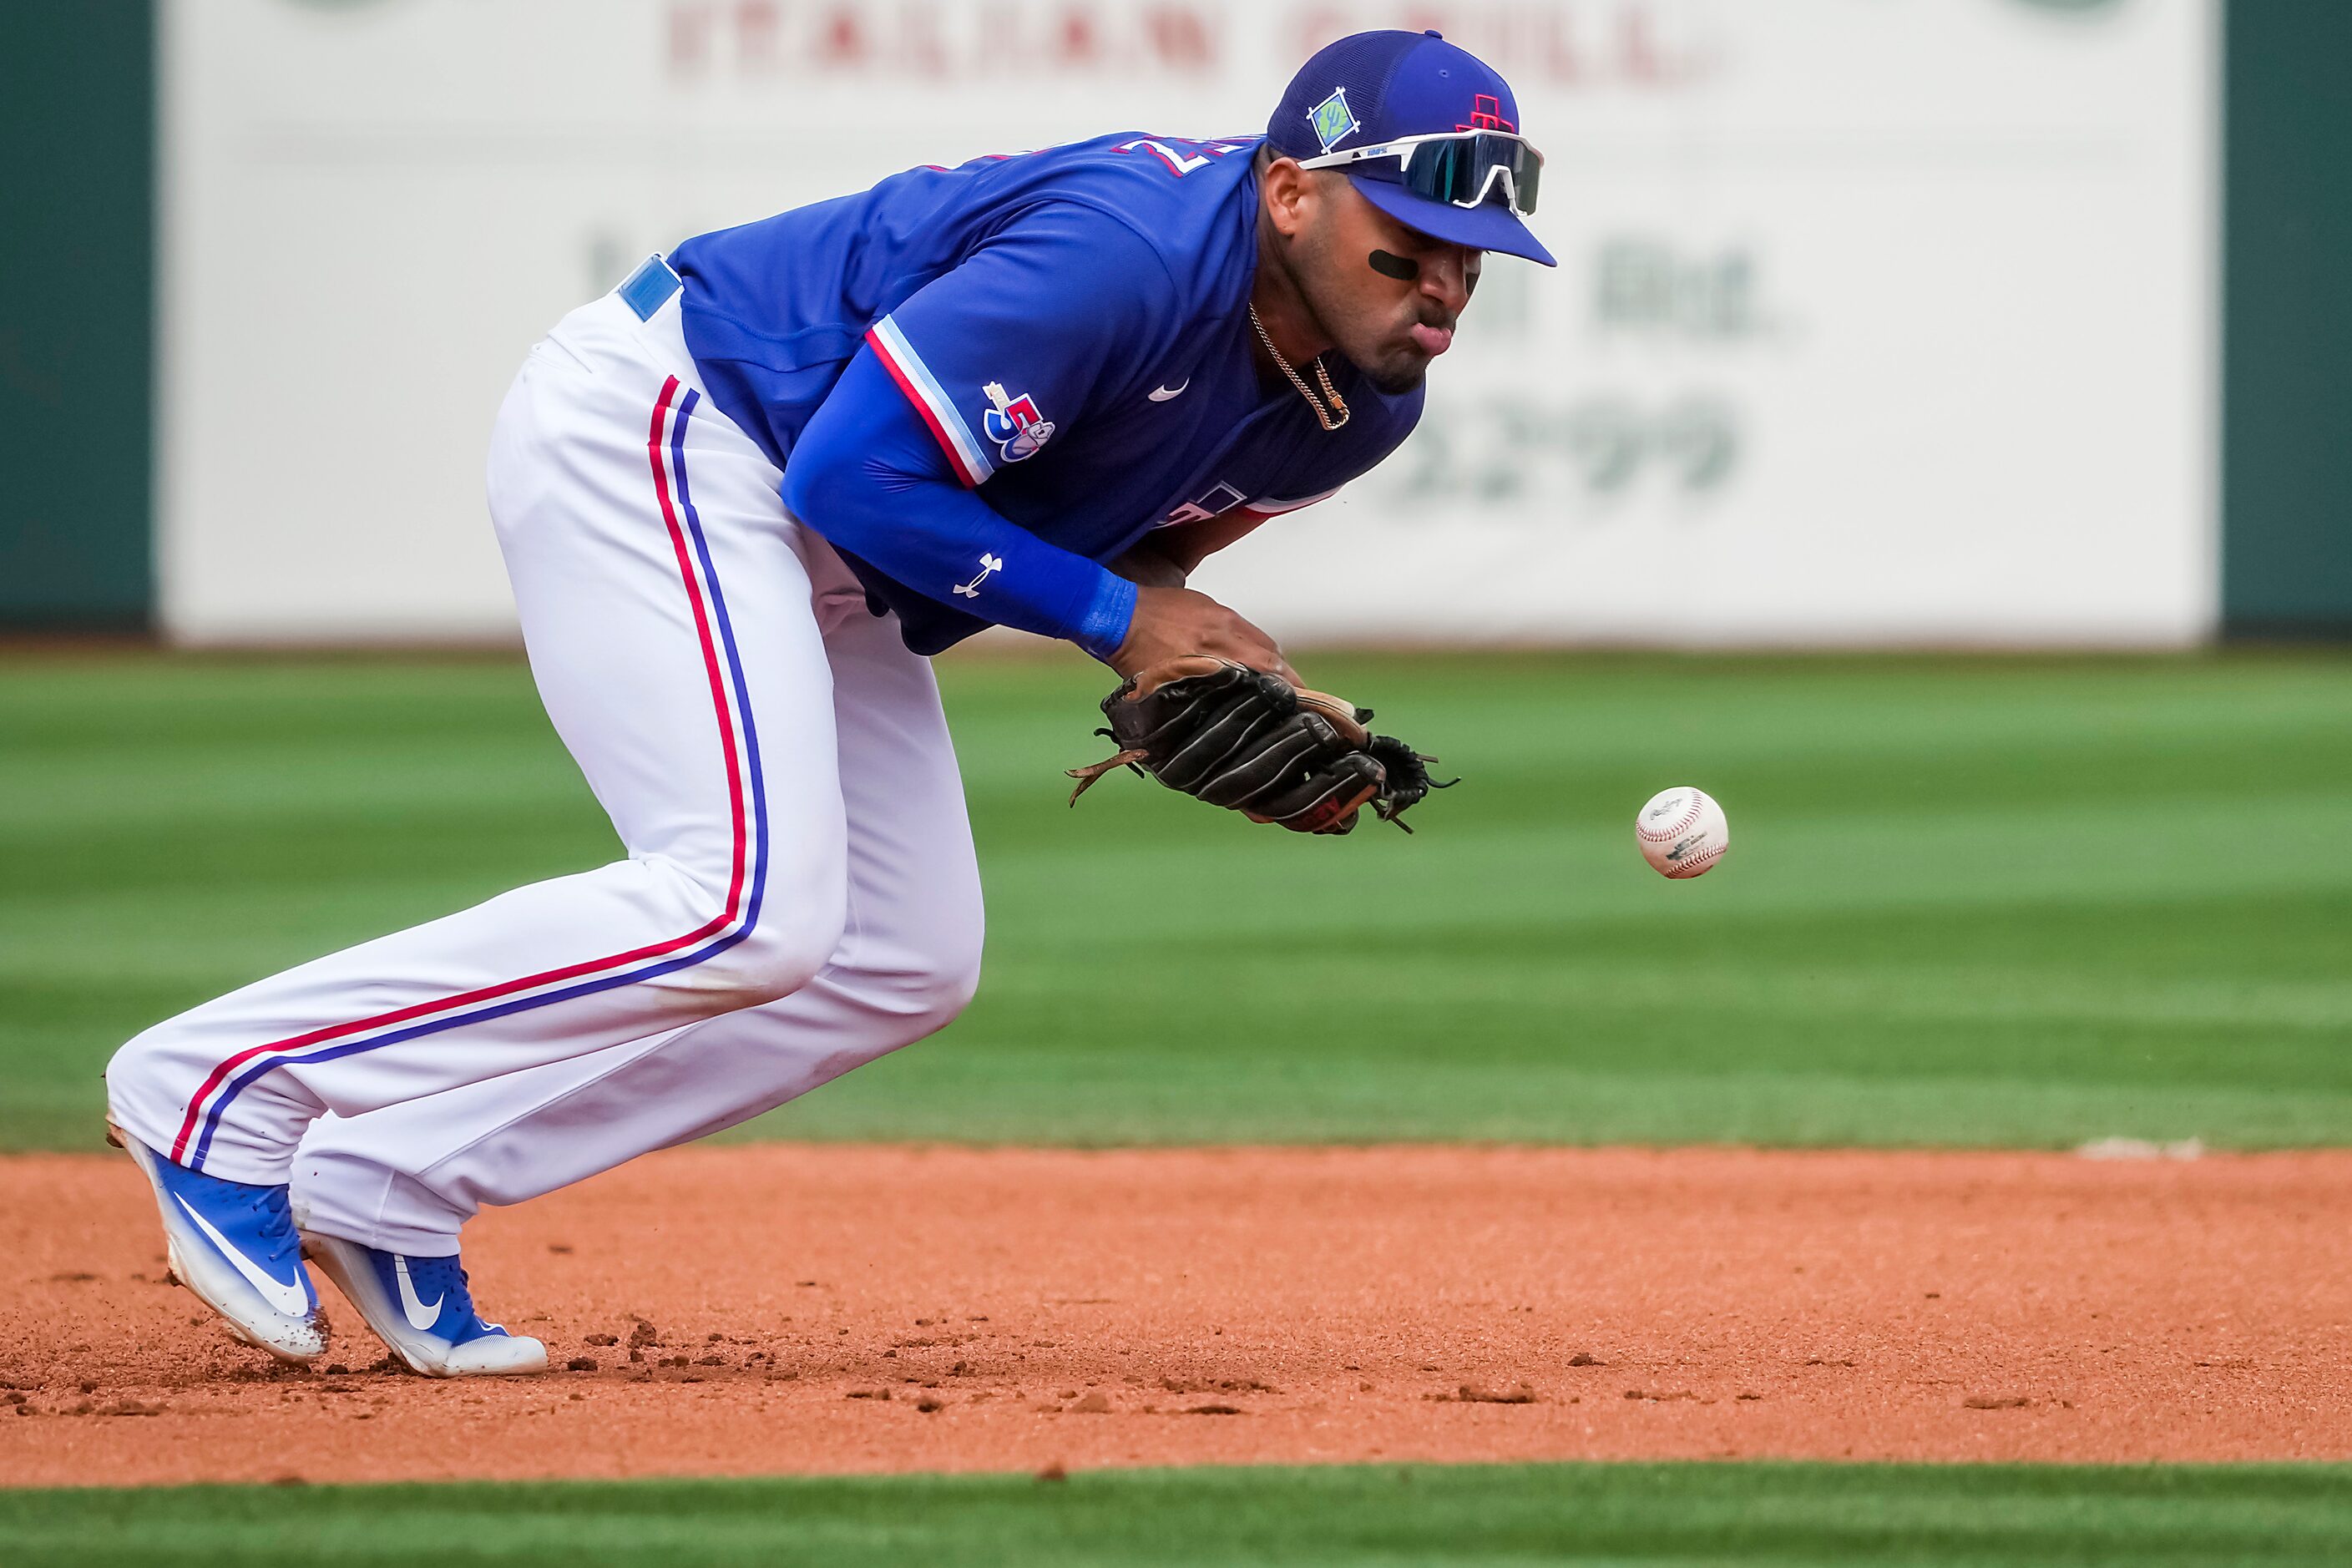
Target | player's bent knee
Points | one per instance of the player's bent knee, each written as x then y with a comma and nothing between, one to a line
925,997
795,935
131,1075
133,1059
954,969
772,959
952,988
934,1000
151,1074
164,1053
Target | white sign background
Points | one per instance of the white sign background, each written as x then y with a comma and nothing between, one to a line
1877,321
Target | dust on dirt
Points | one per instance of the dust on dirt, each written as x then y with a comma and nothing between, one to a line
782,1307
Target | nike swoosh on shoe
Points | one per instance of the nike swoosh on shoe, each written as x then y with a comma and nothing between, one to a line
420,1317
291,1300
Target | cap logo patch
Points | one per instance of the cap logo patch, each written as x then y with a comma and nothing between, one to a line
1332,118
1486,114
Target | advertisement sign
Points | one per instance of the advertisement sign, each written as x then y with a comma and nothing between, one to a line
1877,322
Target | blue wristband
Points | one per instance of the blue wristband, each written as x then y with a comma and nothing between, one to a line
1108,616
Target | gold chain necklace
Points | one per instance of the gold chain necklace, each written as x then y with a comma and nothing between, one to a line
1330,419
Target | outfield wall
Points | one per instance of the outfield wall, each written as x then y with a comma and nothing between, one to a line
1878,321
2287,379
76,288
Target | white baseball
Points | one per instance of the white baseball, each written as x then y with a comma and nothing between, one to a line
1682,832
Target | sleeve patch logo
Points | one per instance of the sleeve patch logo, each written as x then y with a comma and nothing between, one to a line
1014,424
1332,118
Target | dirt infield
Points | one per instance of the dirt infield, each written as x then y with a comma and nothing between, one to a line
841,1309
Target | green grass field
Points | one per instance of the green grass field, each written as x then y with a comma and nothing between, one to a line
1996,901
1683,1515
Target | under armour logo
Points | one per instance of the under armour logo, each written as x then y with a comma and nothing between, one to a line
988,563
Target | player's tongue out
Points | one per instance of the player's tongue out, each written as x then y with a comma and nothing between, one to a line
1431,340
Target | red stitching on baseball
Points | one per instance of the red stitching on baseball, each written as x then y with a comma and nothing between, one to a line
1679,828
1685,869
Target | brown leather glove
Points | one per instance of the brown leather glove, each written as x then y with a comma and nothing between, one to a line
1251,742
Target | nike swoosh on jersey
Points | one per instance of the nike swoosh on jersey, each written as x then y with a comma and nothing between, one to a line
1163,394
420,1316
291,1300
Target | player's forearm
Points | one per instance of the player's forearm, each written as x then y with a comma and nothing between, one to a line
1185,545
867,476
1148,567
1168,557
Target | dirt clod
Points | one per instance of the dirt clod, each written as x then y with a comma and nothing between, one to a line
1480,1393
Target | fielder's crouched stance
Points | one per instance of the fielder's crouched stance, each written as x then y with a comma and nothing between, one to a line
741,500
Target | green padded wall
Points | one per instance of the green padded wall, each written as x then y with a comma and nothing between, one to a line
76,313
2287,420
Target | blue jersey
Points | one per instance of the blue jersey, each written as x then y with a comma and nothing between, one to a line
1071,328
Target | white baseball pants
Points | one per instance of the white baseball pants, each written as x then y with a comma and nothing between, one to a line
799,894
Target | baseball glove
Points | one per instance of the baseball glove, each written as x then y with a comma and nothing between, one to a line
1251,742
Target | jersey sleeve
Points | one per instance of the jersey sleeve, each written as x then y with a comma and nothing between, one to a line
866,476
1008,351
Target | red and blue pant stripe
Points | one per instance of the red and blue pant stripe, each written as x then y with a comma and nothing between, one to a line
738,737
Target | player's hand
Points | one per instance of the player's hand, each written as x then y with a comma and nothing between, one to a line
1173,622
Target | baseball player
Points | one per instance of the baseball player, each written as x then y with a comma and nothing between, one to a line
740,498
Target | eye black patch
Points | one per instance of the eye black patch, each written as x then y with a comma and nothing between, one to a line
1404,268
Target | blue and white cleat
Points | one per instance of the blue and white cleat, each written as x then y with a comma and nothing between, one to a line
233,1245
422,1309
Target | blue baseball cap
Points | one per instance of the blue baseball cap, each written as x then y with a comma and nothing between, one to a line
1368,88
